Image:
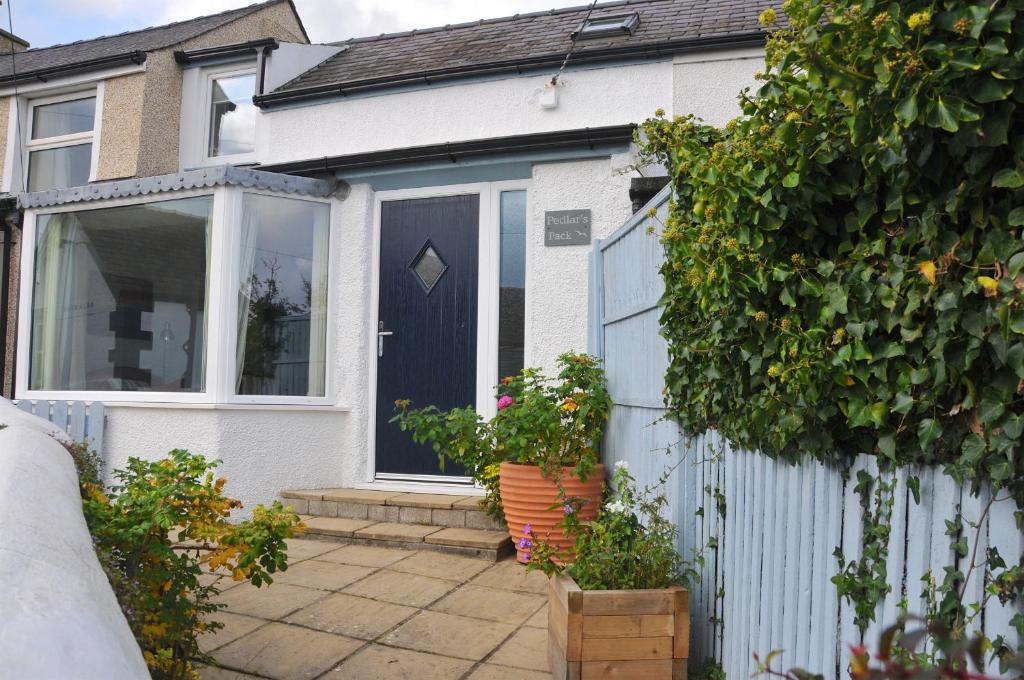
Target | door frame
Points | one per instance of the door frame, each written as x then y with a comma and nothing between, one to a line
488,291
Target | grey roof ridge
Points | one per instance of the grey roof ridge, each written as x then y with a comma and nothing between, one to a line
494,20
199,178
243,11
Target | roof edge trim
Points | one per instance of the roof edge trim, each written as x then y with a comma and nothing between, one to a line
137,57
457,151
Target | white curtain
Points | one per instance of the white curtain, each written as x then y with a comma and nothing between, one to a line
59,322
318,304
249,232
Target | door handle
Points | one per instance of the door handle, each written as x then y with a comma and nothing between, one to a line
380,341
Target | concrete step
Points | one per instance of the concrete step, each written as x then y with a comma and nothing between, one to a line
419,521
455,512
484,543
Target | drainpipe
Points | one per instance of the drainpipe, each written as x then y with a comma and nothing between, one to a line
11,221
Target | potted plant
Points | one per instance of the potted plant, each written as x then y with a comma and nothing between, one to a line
621,609
537,452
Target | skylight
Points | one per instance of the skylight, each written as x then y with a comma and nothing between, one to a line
600,27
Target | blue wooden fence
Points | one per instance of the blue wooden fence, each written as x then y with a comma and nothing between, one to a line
766,581
83,421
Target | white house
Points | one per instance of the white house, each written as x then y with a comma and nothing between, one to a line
249,246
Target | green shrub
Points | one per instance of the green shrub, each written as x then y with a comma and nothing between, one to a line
138,527
845,261
629,546
541,421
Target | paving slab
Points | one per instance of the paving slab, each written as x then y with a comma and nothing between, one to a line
490,671
235,626
215,673
539,620
449,635
377,662
269,602
505,606
398,588
510,575
352,616
364,496
425,500
365,555
303,549
527,648
305,494
322,575
286,652
470,538
394,531
336,526
442,565
469,503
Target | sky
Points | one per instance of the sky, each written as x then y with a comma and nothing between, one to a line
48,22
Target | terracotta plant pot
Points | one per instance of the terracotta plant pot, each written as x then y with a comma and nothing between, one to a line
617,633
528,497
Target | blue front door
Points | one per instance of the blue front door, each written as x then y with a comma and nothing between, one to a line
427,317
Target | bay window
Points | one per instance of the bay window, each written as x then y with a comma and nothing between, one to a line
217,296
59,147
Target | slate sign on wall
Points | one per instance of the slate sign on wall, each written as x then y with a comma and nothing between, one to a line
567,228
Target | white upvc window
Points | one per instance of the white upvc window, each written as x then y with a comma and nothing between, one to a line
61,140
193,297
229,115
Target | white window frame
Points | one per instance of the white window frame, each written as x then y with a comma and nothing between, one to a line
488,298
233,267
76,139
221,333
208,76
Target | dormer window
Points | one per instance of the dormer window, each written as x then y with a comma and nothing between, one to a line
59,147
606,27
232,123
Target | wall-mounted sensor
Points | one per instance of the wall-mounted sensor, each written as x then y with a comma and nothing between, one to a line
549,98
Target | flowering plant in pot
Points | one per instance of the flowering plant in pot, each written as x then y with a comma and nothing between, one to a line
621,608
535,453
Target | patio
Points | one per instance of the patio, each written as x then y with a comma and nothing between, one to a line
365,612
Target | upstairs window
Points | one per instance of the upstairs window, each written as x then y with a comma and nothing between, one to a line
60,141
603,27
232,116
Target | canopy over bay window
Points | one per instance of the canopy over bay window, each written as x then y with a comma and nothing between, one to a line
204,286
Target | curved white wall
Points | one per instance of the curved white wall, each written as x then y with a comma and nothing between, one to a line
59,617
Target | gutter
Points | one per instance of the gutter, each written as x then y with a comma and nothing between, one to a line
459,151
431,77
45,74
185,57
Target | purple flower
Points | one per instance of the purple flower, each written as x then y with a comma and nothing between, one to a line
526,556
567,508
504,402
528,528
524,543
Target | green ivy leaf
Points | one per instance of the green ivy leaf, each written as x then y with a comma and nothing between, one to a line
1008,179
972,448
907,111
791,180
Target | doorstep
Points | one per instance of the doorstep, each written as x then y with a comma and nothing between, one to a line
487,544
417,521
442,510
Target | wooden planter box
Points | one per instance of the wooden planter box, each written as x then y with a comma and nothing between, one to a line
634,634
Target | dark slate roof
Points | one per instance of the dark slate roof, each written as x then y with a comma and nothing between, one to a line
67,56
529,41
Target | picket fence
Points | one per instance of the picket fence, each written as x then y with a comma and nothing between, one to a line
83,421
766,585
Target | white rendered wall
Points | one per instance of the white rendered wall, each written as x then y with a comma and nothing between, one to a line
708,84
60,617
590,97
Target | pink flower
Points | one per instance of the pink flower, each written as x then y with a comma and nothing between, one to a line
504,402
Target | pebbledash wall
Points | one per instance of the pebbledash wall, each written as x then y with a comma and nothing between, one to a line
266,449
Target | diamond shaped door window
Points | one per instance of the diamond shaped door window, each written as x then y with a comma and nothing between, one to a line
428,267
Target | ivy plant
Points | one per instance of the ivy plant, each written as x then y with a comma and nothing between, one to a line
844,266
